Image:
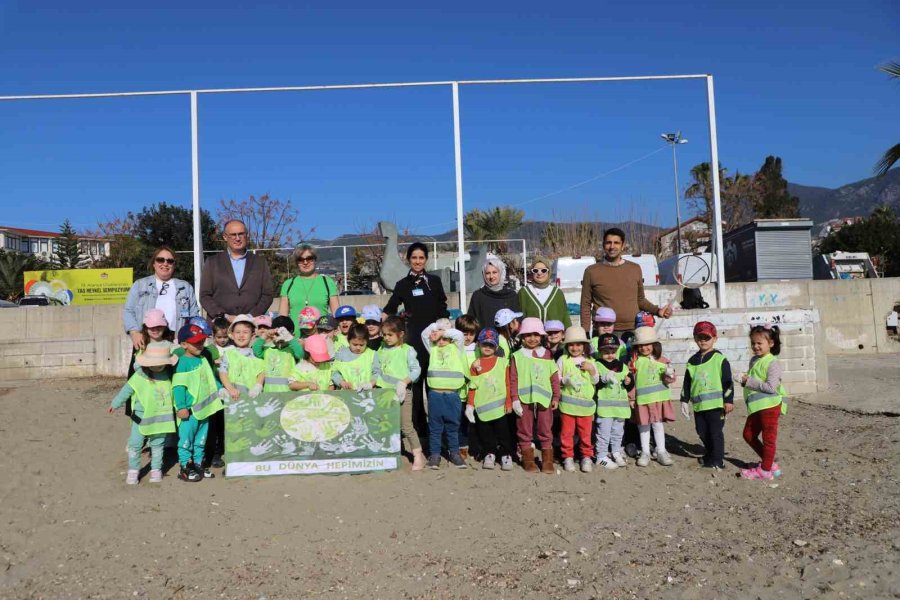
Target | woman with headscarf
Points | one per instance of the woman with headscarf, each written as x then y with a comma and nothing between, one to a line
540,297
493,295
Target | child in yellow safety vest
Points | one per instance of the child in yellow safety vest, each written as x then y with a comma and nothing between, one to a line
279,350
354,366
469,327
150,390
708,393
653,374
579,376
316,371
766,400
555,333
605,324
535,391
240,370
488,402
345,316
446,379
613,407
507,322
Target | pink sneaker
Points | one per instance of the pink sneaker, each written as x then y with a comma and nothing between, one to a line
131,478
757,473
155,475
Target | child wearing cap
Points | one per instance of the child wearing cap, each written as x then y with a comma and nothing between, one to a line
708,387
579,376
507,323
371,315
197,397
150,391
316,371
488,402
355,365
613,406
534,391
345,316
307,320
240,370
446,379
469,327
605,324
398,368
555,331
279,350
155,328
652,404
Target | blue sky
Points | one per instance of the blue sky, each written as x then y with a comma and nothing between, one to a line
793,79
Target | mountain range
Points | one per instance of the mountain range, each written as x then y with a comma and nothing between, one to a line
857,199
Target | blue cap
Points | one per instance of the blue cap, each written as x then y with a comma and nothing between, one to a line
489,335
506,316
203,324
644,319
371,312
344,312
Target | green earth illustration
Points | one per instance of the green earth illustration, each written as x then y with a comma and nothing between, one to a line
315,417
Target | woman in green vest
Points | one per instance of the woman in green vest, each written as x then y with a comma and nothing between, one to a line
652,377
150,390
540,297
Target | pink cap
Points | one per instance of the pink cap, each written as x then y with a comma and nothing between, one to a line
155,318
263,321
531,325
317,348
311,313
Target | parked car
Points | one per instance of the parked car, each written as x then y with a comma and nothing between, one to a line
39,301
358,293
649,267
568,271
8,304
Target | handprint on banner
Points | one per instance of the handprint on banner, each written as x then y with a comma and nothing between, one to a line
287,444
268,429
268,408
241,444
261,448
367,404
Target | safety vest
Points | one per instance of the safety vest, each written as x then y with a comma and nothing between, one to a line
155,397
504,345
621,351
358,371
447,368
279,365
201,384
757,401
321,375
648,385
612,400
706,383
340,341
490,391
393,365
577,403
534,378
471,355
243,371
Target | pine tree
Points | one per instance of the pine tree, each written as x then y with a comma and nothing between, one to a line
770,197
68,253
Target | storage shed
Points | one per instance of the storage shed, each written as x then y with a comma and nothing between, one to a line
769,249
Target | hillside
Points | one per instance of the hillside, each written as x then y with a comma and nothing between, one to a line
854,199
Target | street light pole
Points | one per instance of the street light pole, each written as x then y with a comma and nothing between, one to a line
674,139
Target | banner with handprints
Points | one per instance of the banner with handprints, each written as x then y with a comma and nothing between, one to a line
306,433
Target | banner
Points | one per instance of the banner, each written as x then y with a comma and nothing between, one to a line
308,433
81,286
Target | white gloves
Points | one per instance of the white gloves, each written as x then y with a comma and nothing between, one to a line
256,390
739,378
609,379
283,335
224,395
470,413
686,410
400,394
517,408
670,370
364,387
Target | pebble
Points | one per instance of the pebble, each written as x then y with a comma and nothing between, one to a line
838,562
572,583
800,543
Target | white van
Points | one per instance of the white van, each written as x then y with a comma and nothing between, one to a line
649,267
568,271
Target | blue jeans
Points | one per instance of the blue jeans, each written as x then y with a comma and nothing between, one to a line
192,440
443,418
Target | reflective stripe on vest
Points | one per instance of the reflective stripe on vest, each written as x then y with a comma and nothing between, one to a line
201,384
393,365
649,387
279,364
490,391
534,376
359,370
757,401
612,400
446,370
155,398
577,403
706,383
273,381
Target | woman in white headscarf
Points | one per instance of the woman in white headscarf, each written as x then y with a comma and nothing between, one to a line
493,295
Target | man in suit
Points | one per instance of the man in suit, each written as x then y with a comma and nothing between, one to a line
235,281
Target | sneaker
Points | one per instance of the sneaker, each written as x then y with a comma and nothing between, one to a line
587,465
607,464
131,478
631,450
653,453
457,461
155,475
464,452
188,473
619,460
434,462
569,465
506,463
757,473
198,469
207,474
489,461
776,470
664,458
217,462
643,460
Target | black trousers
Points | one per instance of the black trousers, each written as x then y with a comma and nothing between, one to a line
710,427
215,437
494,436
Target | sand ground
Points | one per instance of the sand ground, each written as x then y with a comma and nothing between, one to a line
71,528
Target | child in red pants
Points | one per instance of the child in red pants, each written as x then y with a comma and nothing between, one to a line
765,398
579,377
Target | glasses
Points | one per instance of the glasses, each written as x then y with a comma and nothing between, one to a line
702,338
165,288
167,261
305,259
540,271
234,236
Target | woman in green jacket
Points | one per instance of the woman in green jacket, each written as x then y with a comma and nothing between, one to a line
540,298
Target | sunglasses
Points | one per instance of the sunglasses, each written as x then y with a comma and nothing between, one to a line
305,259
167,261
702,338
538,271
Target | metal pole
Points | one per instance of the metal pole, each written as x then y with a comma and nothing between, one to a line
525,264
345,268
460,241
677,202
717,201
195,177
434,254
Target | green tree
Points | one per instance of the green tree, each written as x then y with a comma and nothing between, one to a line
879,235
360,274
125,248
733,191
892,155
769,194
68,252
493,224
12,271
170,225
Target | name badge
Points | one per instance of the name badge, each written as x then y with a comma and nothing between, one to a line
417,292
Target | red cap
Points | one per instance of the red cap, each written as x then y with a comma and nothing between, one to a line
705,328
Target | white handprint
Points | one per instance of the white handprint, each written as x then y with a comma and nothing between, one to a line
367,403
307,449
261,448
268,408
287,444
394,445
232,408
359,427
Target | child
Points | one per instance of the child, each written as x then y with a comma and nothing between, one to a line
534,391
345,316
307,320
707,385
263,325
327,326
652,376
398,368
240,370
555,331
196,397
605,324
765,398
155,329
354,366
489,402
446,379
469,327
613,408
151,389
579,375
220,334
507,323
314,373
279,350
371,316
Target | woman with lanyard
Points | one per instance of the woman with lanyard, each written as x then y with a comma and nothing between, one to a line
174,297
542,299
424,301
493,295
309,288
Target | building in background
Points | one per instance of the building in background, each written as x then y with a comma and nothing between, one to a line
43,244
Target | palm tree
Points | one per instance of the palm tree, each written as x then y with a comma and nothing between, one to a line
494,224
733,192
12,270
893,153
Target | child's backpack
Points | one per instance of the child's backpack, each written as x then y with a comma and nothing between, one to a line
692,298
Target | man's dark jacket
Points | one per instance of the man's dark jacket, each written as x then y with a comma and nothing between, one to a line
220,295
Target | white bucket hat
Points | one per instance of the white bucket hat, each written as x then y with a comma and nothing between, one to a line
644,335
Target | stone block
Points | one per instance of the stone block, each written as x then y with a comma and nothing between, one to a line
58,322
112,355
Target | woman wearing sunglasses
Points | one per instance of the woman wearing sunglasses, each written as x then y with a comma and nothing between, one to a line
540,297
309,288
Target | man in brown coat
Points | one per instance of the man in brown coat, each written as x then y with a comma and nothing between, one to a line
235,281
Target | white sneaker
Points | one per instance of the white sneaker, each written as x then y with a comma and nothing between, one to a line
489,461
587,465
506,463
131,478
619,460
569,465
643,460
664,458
607,464
155,476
